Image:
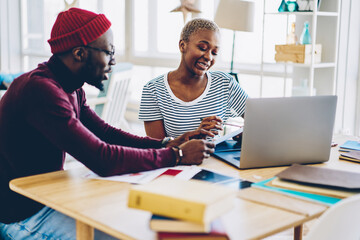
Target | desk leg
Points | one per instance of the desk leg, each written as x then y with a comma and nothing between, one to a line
298,232
84,231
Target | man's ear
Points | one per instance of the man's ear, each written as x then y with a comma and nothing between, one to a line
182,46
79,54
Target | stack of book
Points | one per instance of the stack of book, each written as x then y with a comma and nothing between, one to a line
320,184
171,229
184,209
350,151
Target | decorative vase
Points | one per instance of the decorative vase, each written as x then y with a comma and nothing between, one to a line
283,7
291,37
292,6
305,37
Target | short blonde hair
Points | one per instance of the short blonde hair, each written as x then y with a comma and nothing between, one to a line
195,25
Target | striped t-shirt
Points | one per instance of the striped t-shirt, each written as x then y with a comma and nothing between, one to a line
222,97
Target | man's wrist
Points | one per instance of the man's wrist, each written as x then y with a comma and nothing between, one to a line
179,155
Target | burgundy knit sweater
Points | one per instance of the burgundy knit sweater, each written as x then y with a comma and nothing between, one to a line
43,115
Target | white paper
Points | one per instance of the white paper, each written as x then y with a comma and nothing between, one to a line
186,173
227,136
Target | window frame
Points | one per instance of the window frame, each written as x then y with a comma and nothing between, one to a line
13,55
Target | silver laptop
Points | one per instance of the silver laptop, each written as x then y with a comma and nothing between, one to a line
283,131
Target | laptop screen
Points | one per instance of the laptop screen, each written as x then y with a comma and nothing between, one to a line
283,131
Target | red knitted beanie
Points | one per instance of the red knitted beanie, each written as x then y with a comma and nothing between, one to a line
76,27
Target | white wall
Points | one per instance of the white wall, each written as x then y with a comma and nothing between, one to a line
348,89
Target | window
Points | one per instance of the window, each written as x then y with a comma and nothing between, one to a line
157,32
38,17
147,34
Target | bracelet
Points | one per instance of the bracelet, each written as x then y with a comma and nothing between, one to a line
180,154
166,140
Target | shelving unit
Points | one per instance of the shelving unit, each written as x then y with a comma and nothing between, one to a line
313,78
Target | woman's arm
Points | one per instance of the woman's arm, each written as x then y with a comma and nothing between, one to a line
155,129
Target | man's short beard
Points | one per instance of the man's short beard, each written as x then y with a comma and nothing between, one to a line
99,86
87,75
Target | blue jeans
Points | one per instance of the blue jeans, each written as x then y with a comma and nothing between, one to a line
46,224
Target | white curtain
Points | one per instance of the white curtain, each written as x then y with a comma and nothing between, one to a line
348,89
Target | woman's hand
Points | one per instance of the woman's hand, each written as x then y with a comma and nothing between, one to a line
238,137
212,123
197,134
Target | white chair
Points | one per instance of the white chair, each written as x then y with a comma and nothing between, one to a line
340,221
2,92
110,105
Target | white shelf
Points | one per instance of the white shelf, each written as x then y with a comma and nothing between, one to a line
324,30
316,65
289,13
325,65
326,14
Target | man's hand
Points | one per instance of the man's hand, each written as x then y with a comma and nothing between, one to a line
197,134
238,137
194,151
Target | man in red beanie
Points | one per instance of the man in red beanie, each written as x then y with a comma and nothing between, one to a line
44,114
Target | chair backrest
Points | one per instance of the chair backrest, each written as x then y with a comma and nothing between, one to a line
7,78
117,95
340,221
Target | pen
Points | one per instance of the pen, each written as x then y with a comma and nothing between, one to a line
228,124
234,125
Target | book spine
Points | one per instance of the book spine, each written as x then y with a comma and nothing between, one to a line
167,206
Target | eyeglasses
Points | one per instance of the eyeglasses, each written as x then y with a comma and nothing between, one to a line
107,52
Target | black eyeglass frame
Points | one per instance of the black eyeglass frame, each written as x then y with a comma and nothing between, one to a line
107,52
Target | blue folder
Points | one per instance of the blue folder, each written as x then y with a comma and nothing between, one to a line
353,145
311,196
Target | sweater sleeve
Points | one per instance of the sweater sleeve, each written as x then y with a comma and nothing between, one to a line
53,113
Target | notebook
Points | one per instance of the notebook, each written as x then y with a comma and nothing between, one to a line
321,177
283,131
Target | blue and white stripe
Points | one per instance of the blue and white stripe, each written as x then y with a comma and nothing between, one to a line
222,97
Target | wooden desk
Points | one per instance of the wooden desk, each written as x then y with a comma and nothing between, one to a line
103,204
